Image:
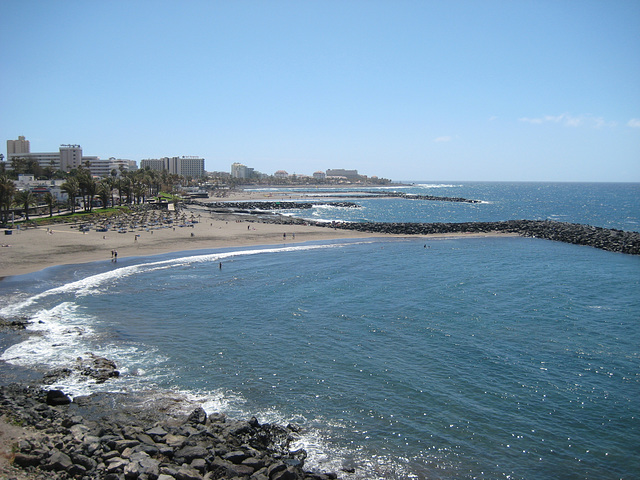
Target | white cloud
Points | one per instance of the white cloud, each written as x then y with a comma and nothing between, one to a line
634,123
443,139
570,120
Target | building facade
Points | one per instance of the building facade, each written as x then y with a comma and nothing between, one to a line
341,172
19,146
185,166
238,170
70,157
67,158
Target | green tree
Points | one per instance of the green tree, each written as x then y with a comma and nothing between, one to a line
72,189
91,190
7,193
51,202
104,192
25,199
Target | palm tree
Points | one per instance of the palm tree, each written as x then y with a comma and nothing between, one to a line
72,188
7,192
50,200
25,199
91,189
104,192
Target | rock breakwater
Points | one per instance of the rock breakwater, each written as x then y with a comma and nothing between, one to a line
266,206
606,239
86,439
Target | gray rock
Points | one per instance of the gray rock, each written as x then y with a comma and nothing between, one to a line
237,456
142,464
86,462
198,416
187,454
26,460
162,476
58,461
57,397
187,473
227,469
200,464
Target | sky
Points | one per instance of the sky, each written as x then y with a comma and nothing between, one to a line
485,90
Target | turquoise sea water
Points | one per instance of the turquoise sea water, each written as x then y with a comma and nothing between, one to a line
450,358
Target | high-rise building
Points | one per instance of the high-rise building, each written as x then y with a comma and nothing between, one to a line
238,170
341,172
21,145
185,166
70,157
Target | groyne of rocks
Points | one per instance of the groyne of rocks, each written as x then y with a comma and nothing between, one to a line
265,206
412,196
109,437
604,238
609,239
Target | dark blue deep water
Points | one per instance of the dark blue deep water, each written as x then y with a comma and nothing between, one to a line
495,357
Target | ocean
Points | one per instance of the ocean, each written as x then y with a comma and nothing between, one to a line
459,358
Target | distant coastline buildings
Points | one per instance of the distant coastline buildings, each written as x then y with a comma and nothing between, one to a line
332,175
185,166
67,158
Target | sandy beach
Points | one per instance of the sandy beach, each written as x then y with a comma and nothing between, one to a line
33,249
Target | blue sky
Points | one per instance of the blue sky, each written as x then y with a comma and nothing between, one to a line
408,90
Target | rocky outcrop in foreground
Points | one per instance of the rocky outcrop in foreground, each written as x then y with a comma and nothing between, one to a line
72,441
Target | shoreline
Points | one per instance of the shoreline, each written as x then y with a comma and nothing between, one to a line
31,250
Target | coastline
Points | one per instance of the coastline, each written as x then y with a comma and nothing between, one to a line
31,250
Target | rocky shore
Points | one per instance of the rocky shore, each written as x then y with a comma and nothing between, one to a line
609,239
124,437
604,238
266,206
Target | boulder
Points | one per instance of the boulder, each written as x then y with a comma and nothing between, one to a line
57,397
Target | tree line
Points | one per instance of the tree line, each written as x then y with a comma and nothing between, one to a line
119,188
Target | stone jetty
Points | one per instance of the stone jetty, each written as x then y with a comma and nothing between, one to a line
265,206
612,240
609,239
109,437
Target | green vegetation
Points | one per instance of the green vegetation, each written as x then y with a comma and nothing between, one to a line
85,191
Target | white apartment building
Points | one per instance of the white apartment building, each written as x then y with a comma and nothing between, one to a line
187,166
341,172
44,159
68,157
40,186
238,170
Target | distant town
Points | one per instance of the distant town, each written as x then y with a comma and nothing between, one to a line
35,178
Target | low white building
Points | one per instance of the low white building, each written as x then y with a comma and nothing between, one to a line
28,182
